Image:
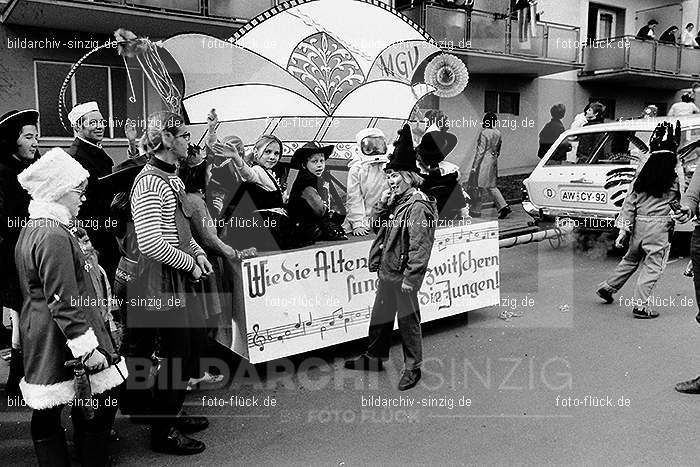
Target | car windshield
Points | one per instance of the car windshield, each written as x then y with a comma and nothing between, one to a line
604,147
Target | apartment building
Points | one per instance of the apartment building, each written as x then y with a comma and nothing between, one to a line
516,74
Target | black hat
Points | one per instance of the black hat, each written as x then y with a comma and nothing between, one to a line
434,146
307,150
123,175
14,120
404,157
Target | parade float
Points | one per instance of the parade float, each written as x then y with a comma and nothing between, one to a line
320,70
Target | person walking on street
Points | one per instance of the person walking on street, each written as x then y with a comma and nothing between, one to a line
488,148
404,219
645,219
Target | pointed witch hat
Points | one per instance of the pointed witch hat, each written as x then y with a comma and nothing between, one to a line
404,157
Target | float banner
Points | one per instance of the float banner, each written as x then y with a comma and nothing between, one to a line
304,300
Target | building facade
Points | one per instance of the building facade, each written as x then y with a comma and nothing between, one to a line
564,51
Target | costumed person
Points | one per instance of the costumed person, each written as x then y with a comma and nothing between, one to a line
310,199
259,218
441,178
488,148
366,180
89,127
646,221
55,276
169,264
18,150
404,220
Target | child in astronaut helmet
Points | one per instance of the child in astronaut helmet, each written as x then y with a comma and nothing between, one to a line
366,180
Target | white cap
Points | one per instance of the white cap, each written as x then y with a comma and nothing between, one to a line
367,132
80,110
52,176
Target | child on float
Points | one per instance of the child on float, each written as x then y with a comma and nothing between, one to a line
260,219
646,220
366,180
310,199
404,219
441,178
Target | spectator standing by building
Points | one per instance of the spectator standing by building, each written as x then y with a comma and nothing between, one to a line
551,131
669,35
685,107
687,38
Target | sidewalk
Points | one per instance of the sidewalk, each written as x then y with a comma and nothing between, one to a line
517,222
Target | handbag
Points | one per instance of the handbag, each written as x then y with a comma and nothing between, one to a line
472,189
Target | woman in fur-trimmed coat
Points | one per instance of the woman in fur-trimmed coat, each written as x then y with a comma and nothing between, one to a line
58,322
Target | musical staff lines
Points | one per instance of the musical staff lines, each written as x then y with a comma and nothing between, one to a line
338,319
465,236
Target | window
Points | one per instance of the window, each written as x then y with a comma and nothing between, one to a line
501,102
596,148
108,86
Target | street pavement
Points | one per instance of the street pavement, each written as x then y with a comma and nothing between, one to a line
550,376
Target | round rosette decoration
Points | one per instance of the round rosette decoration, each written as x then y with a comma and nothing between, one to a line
447,74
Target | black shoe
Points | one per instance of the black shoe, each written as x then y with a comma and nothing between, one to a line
689,387
174,442
409,379
364,363
504,211
190,423
644,313
52,451
605,294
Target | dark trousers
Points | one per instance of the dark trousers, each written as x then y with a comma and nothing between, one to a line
388,302
47,422
179,350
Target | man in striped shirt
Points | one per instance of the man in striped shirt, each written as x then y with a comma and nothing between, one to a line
162,302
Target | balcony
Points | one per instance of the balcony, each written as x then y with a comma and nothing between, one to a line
635,62
489,42
156,18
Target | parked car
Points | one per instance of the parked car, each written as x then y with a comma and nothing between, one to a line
584,177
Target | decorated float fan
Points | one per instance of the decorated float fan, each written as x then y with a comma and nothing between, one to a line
341,64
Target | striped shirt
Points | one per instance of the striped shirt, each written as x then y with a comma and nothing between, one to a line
153,205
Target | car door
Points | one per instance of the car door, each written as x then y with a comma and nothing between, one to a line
589,174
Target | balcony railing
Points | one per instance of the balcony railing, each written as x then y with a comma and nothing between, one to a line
482,31
628,53
219,9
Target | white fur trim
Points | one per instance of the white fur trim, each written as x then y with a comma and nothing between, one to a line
83,344
49,210
52,176
44,396
80,110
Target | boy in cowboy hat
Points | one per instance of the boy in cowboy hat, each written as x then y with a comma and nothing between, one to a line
404,219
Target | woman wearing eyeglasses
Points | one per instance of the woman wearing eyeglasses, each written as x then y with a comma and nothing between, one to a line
166,303
60,318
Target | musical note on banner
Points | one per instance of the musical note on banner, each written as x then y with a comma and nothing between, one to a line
311,320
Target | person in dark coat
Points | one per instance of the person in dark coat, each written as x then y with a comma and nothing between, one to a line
669,36
588,142
18,150
441,178
89,126
404,220
647,32
551,131
61,318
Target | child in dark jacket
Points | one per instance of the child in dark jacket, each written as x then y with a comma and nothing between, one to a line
404,219
309,200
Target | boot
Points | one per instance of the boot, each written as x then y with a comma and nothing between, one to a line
52,451
93,448
16,373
